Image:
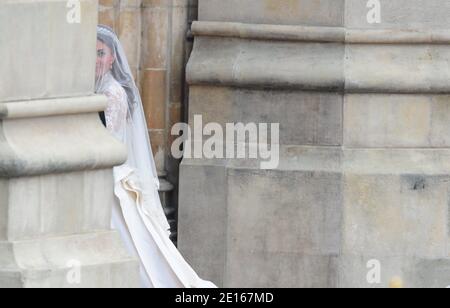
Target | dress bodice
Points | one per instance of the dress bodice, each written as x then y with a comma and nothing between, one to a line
117,108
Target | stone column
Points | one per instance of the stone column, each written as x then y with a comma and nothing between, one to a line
155,63
109,13
364,161
56,158
154,36
163,59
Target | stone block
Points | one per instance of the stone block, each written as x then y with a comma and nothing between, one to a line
155,38
130,34
256,64
80,261
154,98
201,220
399,14
406,68
287,12
364,159
26,49
58,204
383,213
307,118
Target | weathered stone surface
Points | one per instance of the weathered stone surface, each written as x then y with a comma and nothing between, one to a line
309,12
384,213
292,231
432,273
3,209
246,63
308,118
130,34
51,262
399,14
394,120
55,205
155,37
282,270
364,157
56,158
48,144
334,209
154,98
407,68
25,48
207,210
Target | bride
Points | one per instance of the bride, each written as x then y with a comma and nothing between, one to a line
137,213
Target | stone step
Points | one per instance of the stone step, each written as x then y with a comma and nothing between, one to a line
86,260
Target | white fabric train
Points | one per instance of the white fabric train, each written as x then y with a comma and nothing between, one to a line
137,213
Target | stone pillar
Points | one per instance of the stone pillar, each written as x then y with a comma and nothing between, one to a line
56,158
129,33
154,63
364,133
154,36
163,59
108,13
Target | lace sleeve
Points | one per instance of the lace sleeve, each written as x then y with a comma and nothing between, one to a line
116,112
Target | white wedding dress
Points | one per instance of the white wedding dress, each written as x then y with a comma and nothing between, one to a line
138,215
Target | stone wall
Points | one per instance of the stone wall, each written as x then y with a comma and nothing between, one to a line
364,159
56,158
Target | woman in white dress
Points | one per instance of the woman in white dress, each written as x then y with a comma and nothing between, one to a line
137,213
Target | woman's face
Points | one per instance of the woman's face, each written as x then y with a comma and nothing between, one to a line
105,59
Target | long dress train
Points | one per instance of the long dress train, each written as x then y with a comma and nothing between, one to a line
137,213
